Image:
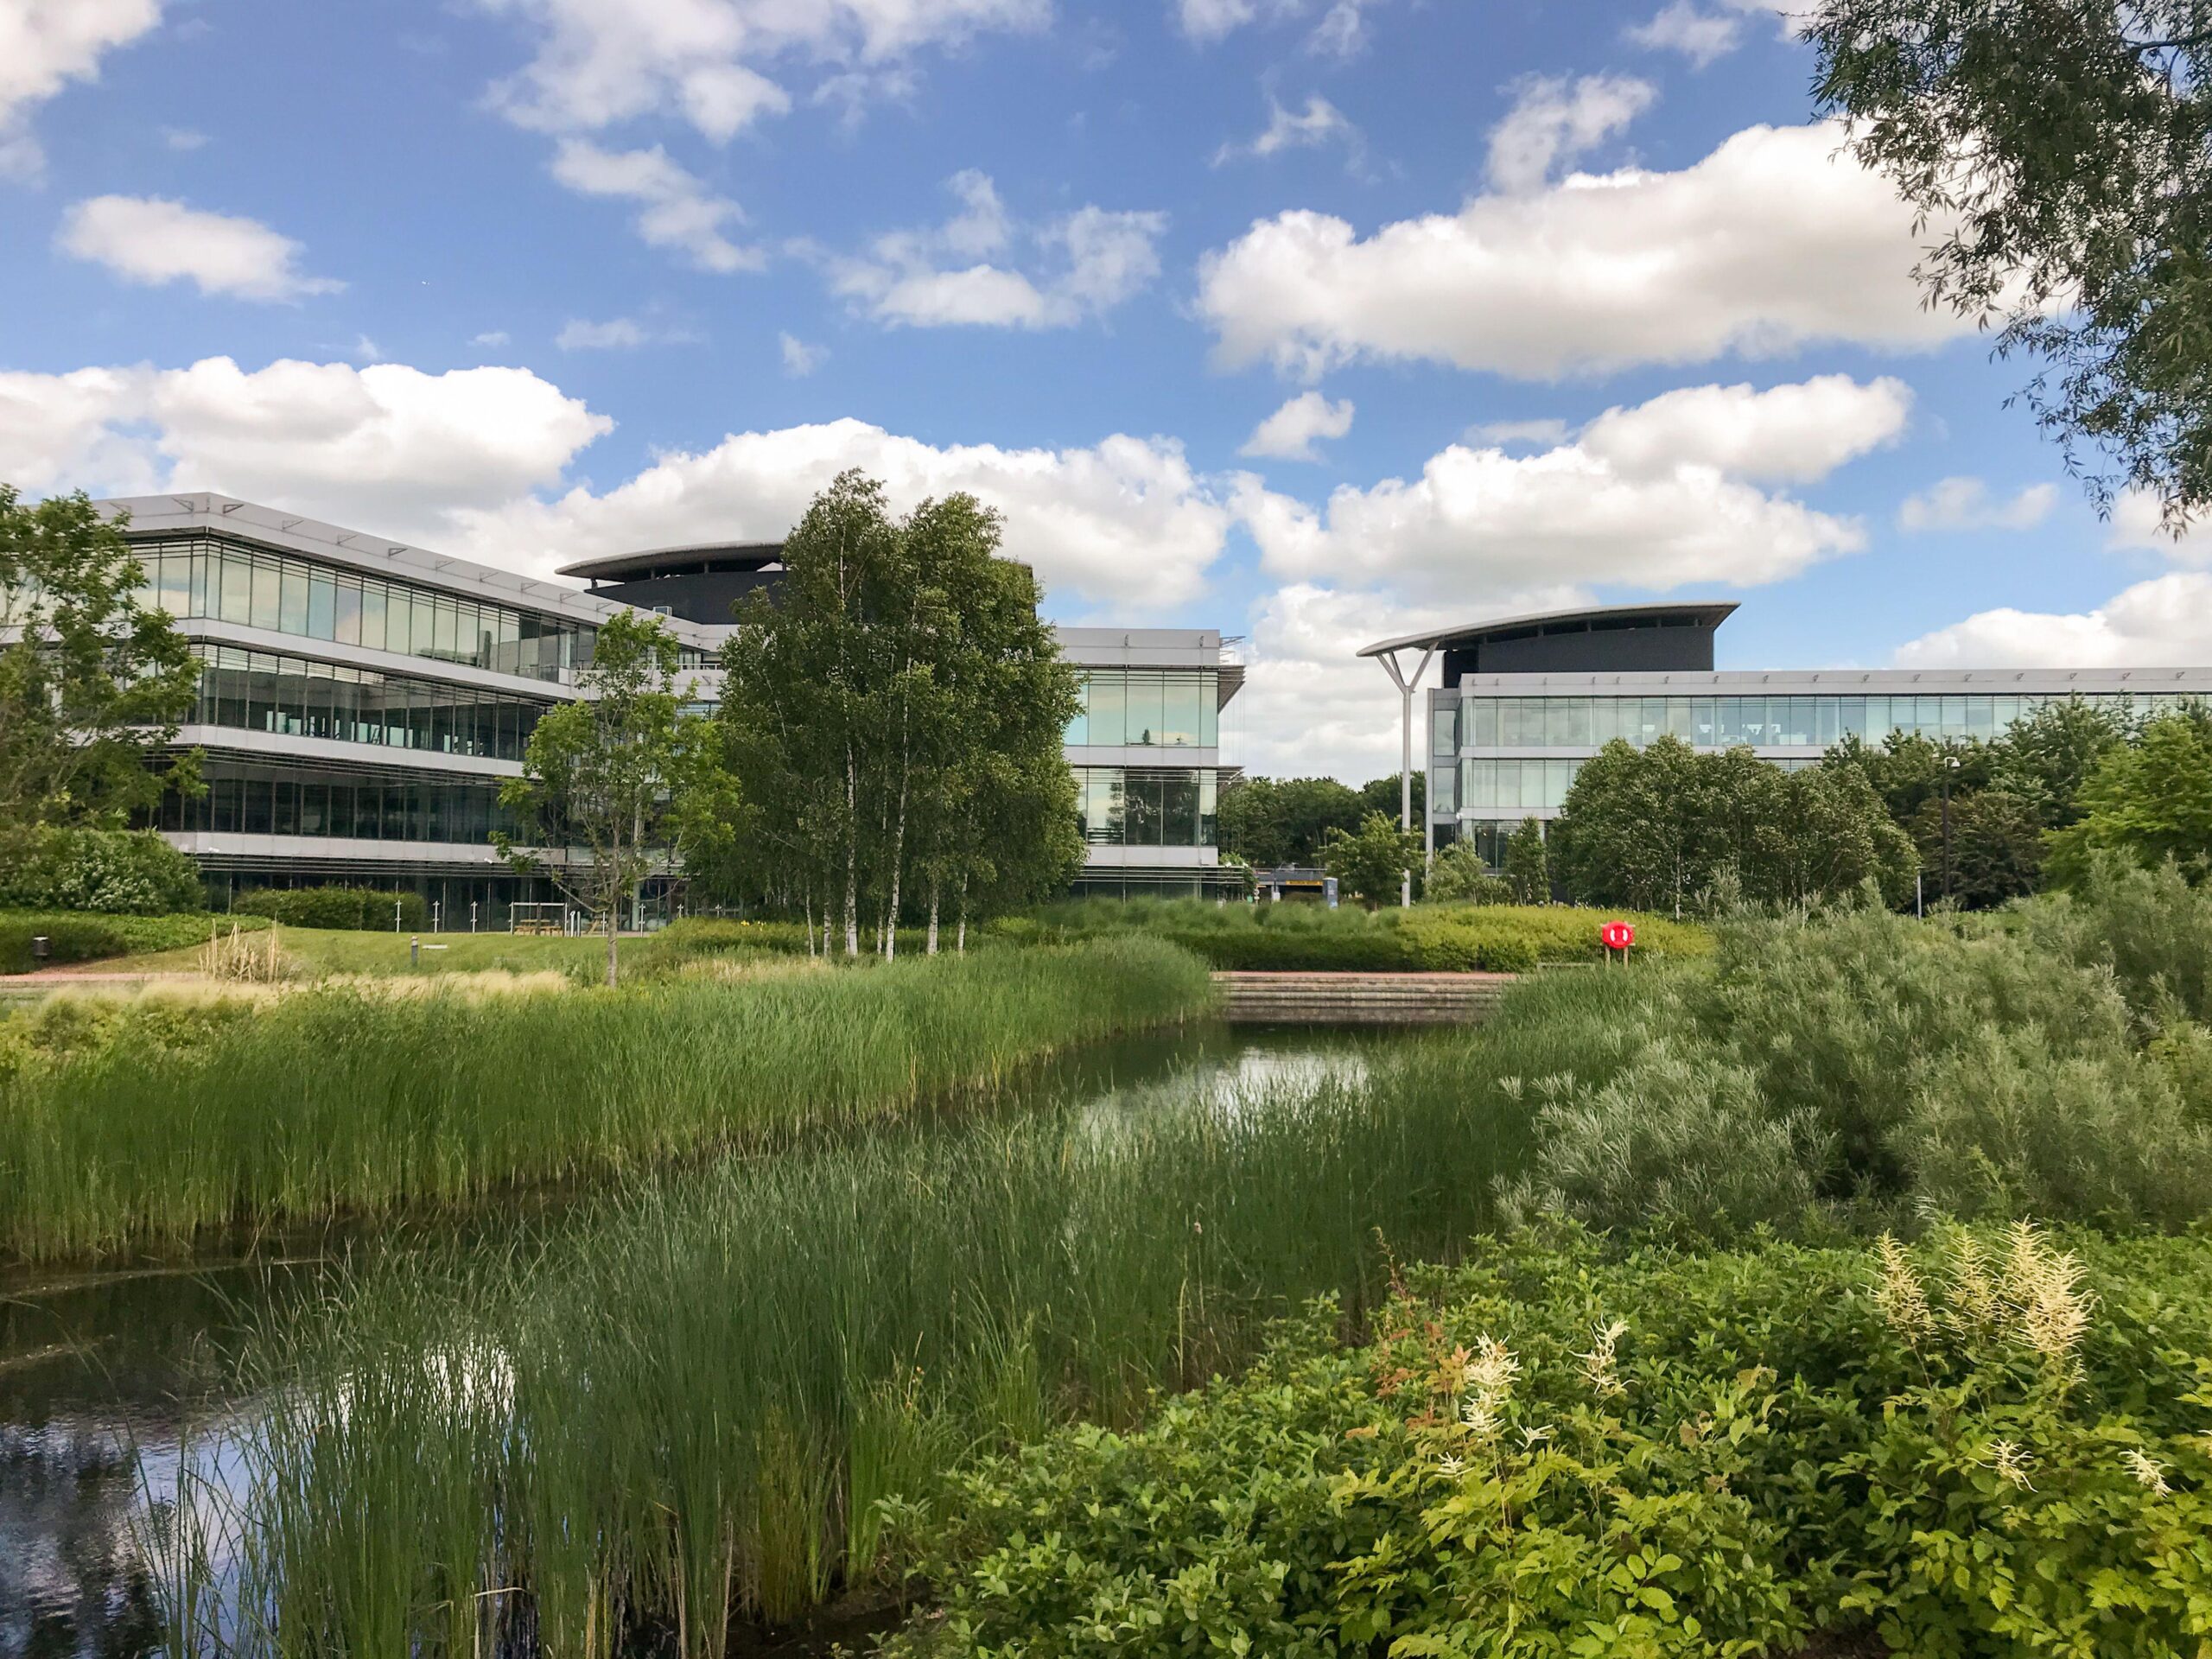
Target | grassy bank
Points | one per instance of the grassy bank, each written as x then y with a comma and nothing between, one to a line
83,935
1307,938
343,1099
689,1408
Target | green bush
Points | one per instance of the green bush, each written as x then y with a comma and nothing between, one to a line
362,910
88,938
1989,1447
112,872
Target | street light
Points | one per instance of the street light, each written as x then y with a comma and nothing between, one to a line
1950,765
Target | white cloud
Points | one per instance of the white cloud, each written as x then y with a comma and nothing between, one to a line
1702,35
800,359
1341,31
387,447
1548,432
1965,504
2164,623
1320,123
46,44
715,63
1652,496
183,138
493,338
1290,433
2137,524
1124,522
366,350
1791,434
1209,20
146,239
1092,260
1551,123
676,209
1772,242
615,334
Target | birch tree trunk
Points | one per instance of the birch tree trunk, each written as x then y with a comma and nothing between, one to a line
933,889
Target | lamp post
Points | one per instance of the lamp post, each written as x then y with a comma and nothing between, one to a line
1950,765
1406,690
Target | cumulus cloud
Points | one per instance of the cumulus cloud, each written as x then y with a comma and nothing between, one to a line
46,44
387,447
1291,432
2137,524
1551,122
146,239
676,210
2164,623
1772,242
1702,35
1125,521
1652,497
964,272
718,65
800,359
1320,123
1963,503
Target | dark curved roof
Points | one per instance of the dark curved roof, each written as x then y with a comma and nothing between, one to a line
1707,613
705,558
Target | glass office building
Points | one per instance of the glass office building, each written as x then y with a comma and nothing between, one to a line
1524,702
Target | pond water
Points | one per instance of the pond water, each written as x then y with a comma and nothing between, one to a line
105,1374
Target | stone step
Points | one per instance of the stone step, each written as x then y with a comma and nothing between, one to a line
1308,998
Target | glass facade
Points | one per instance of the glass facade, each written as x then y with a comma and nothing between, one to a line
203,577
1148,708
1124,807
1530,785
261,691
286,799
1578,722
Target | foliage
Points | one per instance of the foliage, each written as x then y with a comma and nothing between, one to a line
1457,876
342,1098
1528,870
893,720
1988,1447
92,684
2149,800
357,909
2059,153
1374,864
1268,821
1666,827
77,937
117,872
605,774
240,958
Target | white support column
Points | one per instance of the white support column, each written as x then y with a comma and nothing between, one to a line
1406,690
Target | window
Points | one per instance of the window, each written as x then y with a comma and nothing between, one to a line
1444,729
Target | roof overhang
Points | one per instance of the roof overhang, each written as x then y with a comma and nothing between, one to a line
1679,613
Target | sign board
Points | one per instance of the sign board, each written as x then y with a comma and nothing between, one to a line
1329,890
1616,936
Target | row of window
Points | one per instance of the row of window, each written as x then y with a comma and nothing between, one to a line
1153,707
243,797
202,576
1122,807
260,691
1725,721
1509,786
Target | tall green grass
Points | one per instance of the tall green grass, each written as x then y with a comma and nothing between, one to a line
732,1394
346,1100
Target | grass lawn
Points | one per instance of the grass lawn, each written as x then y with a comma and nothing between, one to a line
336,950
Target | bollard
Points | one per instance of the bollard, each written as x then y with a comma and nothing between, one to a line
414,950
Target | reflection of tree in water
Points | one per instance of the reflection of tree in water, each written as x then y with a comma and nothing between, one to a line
71,1580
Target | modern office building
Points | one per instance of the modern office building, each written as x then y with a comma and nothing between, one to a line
361,700
1524,702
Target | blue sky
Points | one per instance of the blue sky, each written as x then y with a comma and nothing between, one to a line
1313,320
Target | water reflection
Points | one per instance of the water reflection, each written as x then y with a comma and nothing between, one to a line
113,1384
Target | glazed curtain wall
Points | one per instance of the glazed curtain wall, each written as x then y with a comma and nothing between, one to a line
248,798
1121,807
1567,723
203,577
1150,708
260,691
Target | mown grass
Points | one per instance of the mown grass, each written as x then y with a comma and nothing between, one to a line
82,936
347,1099
707,1401
325,950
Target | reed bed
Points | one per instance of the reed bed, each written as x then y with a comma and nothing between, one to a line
347,1100
733,1394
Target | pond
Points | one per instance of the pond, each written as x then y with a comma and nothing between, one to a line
105,1374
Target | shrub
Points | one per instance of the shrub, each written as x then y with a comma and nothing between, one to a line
1457,876
111,871
88,938
365,909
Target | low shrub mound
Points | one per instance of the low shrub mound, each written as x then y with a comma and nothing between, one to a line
112,872
367,910
1304,938
77,937
1990,1445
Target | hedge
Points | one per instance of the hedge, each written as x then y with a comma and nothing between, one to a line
79,936
113,872
363,910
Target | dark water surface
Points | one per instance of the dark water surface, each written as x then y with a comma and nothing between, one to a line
110,1376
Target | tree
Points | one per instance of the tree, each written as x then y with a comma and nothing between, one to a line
1632,829
1457,876
2045,757
1268,820
2148,801
1526,869
2059,153
1384,795
1371,863
93,685
606,775
1997,845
